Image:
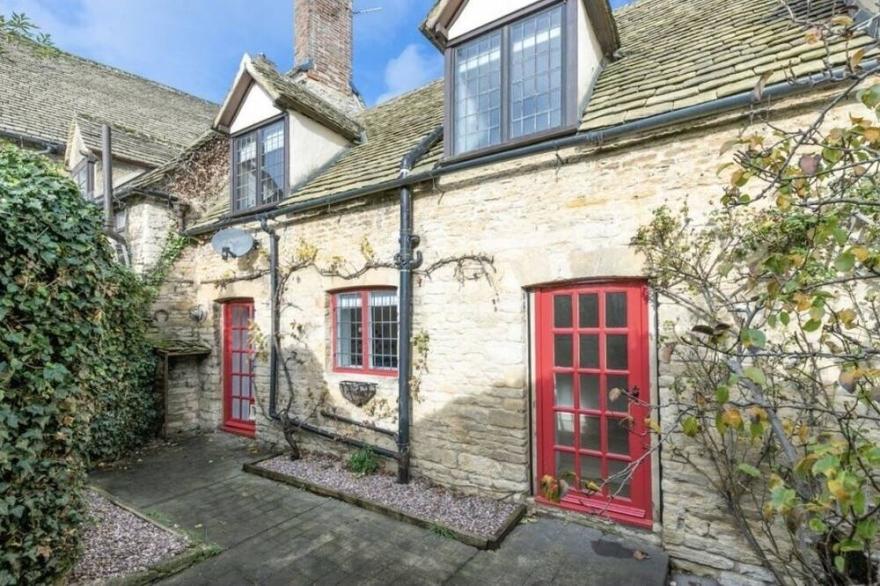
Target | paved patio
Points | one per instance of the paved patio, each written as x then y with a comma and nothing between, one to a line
272,533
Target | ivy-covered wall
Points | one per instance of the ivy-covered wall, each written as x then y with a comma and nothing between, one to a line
76,371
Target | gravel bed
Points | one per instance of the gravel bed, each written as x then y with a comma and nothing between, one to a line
475,515
117,543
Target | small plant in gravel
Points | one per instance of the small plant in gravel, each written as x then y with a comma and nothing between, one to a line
363,462
442,531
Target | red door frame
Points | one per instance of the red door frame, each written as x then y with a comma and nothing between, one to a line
240,426
636,510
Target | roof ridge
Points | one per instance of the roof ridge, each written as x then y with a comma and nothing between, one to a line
33,45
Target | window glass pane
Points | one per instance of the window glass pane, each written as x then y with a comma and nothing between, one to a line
590,433
565,429
244,189
589,357
618,486
272,162
478,93
383,329
536,73
565,466
349,343
591,471
618,436
564,395
81,178
589,391
562,311
562,350
615,310
588,309
616,352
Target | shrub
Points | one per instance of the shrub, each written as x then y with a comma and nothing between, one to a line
71,351
363,462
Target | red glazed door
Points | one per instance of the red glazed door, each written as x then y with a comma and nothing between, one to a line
592,359
238,368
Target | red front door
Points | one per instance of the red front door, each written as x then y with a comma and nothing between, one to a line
593,391
238,367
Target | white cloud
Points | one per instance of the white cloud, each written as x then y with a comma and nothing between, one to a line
414,67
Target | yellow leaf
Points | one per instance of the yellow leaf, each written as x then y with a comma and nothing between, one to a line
653,425
836,488
860,252
783,202
847,317
802,301
732,417
855,59
872,134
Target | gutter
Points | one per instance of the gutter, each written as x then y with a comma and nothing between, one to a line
592,137
49,147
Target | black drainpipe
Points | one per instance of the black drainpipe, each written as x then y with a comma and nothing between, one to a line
273,309
107,169
407,260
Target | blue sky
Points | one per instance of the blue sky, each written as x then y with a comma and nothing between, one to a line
196,45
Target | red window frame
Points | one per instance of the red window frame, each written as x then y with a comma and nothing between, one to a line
635,509
240,426
366,325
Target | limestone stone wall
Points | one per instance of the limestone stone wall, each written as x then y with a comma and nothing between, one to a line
552,218
147,224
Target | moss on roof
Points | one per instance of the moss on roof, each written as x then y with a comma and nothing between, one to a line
290,95
40,94
128,143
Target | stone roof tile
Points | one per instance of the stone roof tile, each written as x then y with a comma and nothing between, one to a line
41,93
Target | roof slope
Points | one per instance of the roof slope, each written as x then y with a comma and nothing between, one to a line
680,53
674,54
40,95
127,144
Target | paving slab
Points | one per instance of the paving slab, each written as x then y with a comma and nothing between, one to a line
273,533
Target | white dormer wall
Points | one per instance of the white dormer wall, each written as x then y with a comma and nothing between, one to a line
478,13
256,107
311,145
590,58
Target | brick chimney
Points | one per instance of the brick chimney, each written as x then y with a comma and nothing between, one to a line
323,39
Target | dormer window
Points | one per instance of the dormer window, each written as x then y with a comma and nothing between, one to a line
508,83
84,177
259,169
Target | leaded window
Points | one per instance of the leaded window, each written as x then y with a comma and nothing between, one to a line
536,73
84,177
509,83
365,330
258,166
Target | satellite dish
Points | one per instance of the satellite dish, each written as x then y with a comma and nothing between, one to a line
232,243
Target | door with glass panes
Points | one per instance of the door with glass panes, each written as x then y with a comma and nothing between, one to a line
238,367
592,398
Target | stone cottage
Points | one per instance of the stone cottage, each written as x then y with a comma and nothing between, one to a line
447,276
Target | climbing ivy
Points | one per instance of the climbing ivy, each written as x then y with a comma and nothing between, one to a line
175,243
75,369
